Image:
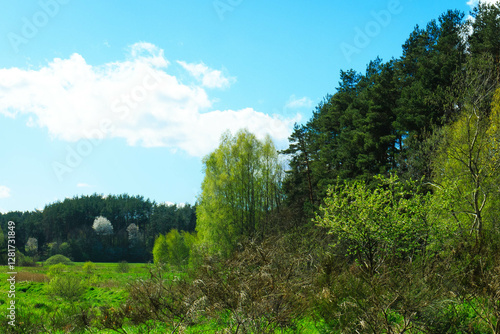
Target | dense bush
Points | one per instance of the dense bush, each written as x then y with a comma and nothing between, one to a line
262,288
174,248
88,268
56,270
24,261
67,286
58,259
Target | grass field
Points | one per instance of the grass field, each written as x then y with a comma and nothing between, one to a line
104,287
38,309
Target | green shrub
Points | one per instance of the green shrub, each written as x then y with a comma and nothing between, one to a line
24,261
88,268
173,248
69,287
56,270
122,267
58,259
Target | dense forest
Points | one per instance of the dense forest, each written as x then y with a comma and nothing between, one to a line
428,118
67,228
382,215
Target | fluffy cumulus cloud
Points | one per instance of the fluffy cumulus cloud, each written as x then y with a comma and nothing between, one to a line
135,99
4,192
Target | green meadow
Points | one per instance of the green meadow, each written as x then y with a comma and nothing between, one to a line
39,308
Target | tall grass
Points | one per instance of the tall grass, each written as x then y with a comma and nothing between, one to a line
25,276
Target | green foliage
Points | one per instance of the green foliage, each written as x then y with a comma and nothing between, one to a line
156,299
88,268
177,248
24,261
56,270
241,187
388,220
467,166
67,286
197,252
173,248
123,267
65,227
64,249
431,58
160,250
484,25
58,259
3,241
40,310
379,121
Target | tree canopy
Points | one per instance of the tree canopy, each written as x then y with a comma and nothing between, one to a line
66,227
242,186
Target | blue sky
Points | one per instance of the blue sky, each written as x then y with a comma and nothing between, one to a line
125,96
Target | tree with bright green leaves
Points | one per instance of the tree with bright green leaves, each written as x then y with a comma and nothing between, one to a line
467,168
160,250
242,186
178,250
375,223
173,248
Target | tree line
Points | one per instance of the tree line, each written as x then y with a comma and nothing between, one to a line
387,119
417,117
66,227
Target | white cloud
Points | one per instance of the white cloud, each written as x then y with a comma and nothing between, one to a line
474,3
295,102
4,192
208,77
135,99
179,205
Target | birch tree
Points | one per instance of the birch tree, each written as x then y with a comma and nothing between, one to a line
242,185
467,168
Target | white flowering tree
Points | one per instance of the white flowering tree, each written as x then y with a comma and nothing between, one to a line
133,233
31,246
102,226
